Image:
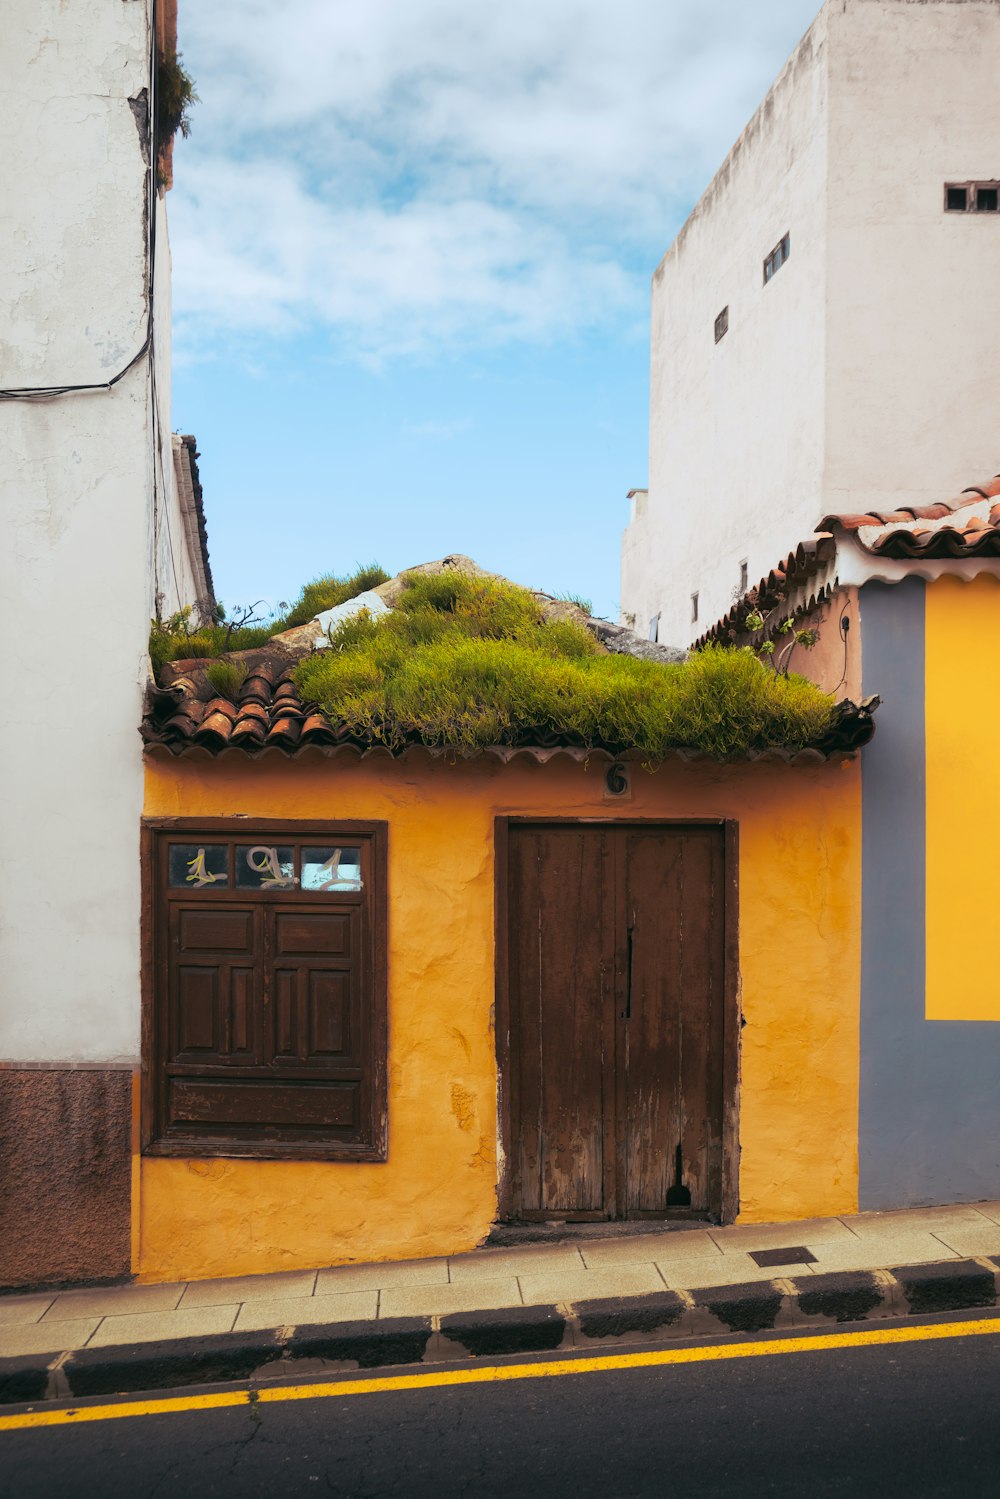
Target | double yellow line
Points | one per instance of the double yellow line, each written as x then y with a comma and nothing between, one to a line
73,1415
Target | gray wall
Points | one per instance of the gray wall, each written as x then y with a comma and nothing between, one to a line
929,1128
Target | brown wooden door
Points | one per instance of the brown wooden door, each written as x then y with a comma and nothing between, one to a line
616,961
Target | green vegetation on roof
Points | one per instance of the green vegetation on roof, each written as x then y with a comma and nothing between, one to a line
468,662
329,591
178,639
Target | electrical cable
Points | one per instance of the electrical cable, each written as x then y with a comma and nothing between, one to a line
844,627
50,392
43,392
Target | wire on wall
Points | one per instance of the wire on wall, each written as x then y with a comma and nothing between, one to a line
51,392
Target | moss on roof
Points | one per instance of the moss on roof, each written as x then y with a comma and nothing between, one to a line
473,661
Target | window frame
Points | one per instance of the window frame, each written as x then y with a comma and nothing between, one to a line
972,189
779,256
373,1126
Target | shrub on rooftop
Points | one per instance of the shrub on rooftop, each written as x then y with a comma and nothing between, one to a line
179,638
329,591
468,662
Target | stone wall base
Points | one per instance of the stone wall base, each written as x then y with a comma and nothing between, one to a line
65,1175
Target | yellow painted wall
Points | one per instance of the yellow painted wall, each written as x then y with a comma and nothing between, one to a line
800,882
962,708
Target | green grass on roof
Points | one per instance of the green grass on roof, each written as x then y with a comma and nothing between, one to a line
328,591
468,662
174,640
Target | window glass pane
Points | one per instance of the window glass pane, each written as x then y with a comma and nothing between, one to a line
957,199
197,866
986,200
331,868
265,866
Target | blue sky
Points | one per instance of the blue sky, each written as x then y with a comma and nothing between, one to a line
412,245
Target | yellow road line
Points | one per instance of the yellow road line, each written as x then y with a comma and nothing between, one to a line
498,1373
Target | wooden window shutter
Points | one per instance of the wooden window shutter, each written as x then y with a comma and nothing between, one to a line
265,989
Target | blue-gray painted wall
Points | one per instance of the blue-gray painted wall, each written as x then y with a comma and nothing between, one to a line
929,1128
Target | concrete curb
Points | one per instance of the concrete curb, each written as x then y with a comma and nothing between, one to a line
819,1301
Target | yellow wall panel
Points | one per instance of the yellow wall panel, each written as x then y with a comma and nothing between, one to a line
962,707
800,875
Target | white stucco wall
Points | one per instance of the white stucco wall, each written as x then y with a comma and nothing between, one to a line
722,438
860,377
172,568
77,573
913,409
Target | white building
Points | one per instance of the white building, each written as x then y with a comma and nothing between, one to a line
97,537
823,326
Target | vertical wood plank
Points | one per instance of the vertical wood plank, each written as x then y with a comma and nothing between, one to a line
651,1038
561,958
732,1020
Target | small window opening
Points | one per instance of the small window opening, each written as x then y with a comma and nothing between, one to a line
694,608
722,325
972,197
777,257
744,576
654,628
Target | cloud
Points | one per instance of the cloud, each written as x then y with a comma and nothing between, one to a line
416,173
258,251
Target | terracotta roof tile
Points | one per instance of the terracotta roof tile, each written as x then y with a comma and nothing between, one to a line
798,569
961,527
248,733
183,714
178,720
958,527
286,733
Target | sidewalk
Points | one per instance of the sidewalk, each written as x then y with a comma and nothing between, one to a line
677,1282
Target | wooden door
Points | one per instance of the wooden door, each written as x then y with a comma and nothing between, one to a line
616,953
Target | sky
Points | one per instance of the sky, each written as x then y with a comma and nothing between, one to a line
412,248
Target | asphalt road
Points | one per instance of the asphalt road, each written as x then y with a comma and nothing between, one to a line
915,1419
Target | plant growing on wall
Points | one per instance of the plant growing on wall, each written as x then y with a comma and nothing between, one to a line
775,648
175,94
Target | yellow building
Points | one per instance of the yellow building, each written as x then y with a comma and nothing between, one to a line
391,1000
